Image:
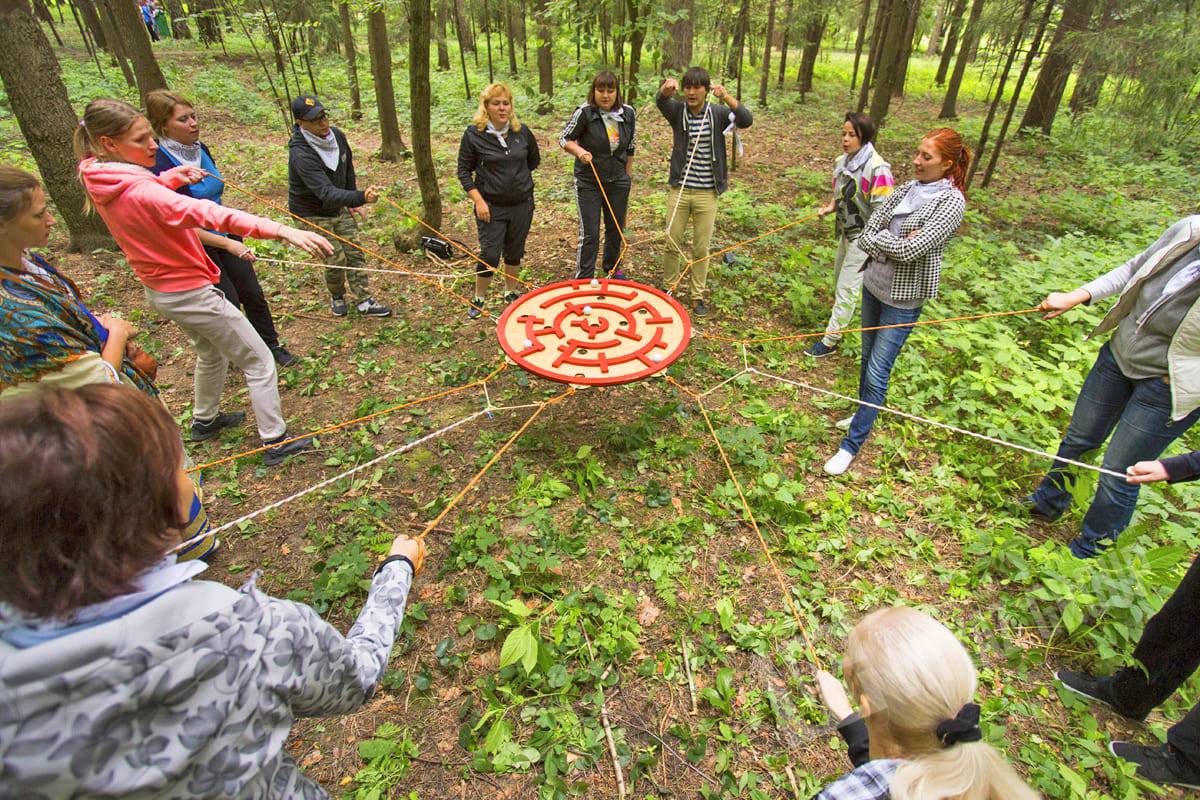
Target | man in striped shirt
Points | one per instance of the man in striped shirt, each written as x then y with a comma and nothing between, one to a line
698,171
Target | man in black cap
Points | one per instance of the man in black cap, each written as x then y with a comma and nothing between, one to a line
322,189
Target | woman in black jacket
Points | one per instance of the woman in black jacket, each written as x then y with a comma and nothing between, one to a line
601,134
495,163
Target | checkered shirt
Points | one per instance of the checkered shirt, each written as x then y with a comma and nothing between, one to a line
918,260
868,782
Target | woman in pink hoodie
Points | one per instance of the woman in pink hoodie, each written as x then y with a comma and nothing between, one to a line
156,229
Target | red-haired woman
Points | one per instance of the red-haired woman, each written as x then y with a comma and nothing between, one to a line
904,241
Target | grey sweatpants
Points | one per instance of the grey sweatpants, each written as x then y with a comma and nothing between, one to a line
220,333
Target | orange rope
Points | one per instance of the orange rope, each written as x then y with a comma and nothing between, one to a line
448,239
435,284
755,238
787,594
354,421
492,461
813,334
621,233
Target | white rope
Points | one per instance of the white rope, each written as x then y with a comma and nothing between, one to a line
943,425
735,376
388,455
401,273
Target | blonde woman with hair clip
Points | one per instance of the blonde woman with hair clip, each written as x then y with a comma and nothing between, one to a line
496,159
156,229
918,735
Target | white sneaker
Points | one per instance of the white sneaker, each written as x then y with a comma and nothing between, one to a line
839,463
844,424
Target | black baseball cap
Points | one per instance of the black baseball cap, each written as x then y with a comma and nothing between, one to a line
307,108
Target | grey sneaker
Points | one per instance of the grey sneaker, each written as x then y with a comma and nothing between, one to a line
511,298
277,454
203,431
369,308
337,307
700,310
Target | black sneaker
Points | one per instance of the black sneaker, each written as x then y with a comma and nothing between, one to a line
276,455
203,431
1031,508
337,307
511,298
369,308
700,310
282,357
1160,764
1087,685
476,309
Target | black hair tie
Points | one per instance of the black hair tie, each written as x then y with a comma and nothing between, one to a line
963,728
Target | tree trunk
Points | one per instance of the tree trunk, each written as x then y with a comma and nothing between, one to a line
677,49
970,37
859,39
935,33
391,147
956,14
487,37
87,10
545,55
465,39
510,28
208,24
766,59
636,41
889,60
179,23
739,41
443,64
88,42
882,14
1016,96
783,45
419,98
906,49
462,50
136,40
41,12
351,51
116,42
1056,67
813,32
46,119
1092,72
1018,37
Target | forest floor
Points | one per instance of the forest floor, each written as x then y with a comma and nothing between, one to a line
614,516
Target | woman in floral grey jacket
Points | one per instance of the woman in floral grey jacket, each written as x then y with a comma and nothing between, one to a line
121,675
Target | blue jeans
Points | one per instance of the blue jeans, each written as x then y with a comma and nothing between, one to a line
1137,413
879,352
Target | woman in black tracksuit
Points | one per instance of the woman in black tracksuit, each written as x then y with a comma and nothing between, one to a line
601,134
495,162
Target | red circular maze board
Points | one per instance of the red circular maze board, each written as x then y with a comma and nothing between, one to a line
594,332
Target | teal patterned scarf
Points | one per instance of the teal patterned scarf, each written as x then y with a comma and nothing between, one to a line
44,326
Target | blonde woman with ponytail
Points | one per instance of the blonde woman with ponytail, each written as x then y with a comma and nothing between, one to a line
157,229
918,737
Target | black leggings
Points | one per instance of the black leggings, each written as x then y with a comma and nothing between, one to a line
591,209
240,285
504,234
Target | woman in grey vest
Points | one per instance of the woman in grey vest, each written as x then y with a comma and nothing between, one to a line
1144,388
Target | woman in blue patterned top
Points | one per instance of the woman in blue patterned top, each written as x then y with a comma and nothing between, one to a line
173,119
904,241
